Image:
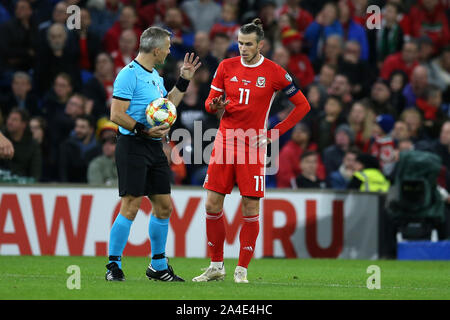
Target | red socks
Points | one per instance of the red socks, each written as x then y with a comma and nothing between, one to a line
247,237
215,233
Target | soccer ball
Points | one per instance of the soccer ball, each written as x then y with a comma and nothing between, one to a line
161,111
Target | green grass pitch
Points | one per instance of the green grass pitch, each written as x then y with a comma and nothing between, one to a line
36,277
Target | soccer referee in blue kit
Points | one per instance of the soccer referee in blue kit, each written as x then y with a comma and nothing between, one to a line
142,166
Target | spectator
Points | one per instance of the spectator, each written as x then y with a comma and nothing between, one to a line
299,65
428,17
54,57
367,176
102,169
126,52
309,161
182,39
88,41
18,43
228,23
39,131
202,48
103,14
382,145
219,46
27,158
332,51
425,50
59,15
326,76
360,120
344,137
203,14
324,128
440,71
127,21
380,98
389,39
406,60
397,83
267,14
325,24
20,96
340,178
99,88
431,109
400,131
413,120
152,13
417,87
288,160
341,88
440,146
62,124
106,129
316,96
352,30
56,98
358,71
302,17
78,150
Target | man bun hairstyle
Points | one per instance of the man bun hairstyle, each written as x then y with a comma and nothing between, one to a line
256,26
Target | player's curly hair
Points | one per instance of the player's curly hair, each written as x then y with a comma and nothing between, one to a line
256,26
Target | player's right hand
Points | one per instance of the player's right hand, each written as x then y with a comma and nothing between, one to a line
218,103
159,131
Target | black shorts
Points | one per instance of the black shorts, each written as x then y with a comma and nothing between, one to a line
142,167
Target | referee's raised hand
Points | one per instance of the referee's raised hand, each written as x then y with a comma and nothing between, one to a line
159,131
190,65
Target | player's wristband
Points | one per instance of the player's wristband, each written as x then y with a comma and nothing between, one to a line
139,129
182,84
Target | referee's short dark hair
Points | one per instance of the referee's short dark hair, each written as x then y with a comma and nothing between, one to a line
152,38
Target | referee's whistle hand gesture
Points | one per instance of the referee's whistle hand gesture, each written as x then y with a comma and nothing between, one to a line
159,131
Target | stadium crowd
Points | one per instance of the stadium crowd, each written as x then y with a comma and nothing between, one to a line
374,92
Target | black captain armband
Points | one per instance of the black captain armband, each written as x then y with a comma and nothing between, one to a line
290,90
139,130
182,84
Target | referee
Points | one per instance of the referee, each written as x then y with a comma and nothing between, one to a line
142,166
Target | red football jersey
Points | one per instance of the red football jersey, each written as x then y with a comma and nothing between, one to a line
250,90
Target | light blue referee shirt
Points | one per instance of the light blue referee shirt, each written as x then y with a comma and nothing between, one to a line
140,86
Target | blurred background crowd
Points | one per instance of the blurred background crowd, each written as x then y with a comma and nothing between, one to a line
374,92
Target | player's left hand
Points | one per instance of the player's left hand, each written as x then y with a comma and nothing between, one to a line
190,65
260,141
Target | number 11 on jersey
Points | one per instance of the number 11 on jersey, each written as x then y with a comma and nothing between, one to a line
244,92
259,183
